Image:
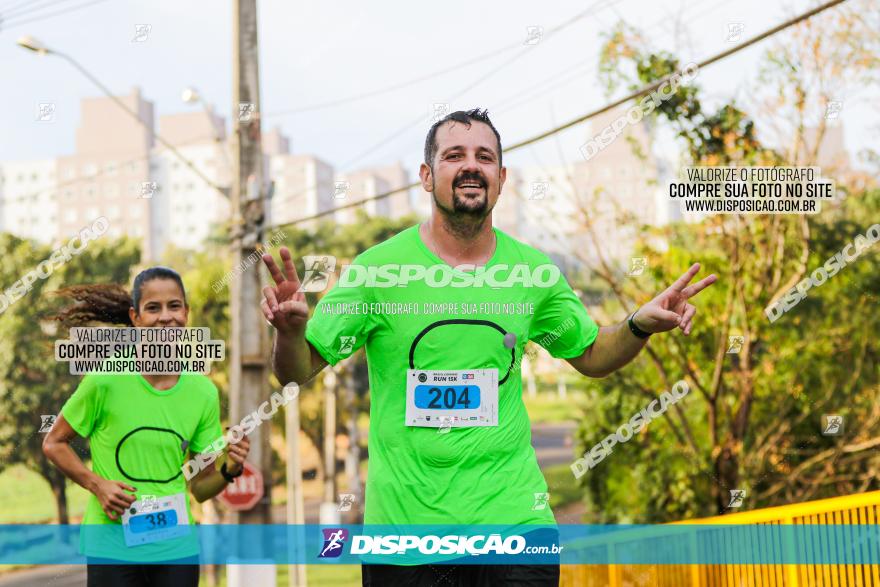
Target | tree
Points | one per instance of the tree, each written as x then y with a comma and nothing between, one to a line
32,383
751,420
344,243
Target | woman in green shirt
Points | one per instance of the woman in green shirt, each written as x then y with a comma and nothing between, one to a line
141,429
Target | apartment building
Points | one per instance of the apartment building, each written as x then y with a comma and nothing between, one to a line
28,199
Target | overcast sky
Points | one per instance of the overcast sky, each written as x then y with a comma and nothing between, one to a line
319,52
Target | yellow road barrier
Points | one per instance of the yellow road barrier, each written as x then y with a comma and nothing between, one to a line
851,509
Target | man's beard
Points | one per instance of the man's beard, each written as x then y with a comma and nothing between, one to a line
464,218
464,208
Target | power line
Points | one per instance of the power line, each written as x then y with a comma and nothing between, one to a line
49,15
159,138
478,81
57,187
638,93
412,82
28,9
421,118
392,88
555,29
653,86
14,4
418,120
588,64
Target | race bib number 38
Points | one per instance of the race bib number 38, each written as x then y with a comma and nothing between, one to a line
155,519
452,398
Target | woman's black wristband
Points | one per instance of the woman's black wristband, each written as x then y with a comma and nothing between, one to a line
635,329
230,478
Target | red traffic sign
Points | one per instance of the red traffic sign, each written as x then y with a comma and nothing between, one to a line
245,491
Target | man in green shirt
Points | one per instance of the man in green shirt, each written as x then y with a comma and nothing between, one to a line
445,309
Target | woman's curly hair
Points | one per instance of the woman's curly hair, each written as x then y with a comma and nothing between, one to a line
108,303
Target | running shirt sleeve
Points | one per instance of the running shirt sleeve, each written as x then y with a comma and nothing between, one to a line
82,409
561,324
339,325
209,425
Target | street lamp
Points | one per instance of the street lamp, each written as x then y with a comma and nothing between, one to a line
190,95
31,44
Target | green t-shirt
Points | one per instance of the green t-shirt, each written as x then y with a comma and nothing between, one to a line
136,435
476,475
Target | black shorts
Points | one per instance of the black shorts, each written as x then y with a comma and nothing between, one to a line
177,573
460,575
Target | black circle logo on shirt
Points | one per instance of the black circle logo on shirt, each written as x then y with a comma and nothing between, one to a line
129,436
412,349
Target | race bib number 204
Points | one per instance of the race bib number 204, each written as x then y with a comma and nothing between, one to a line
452,398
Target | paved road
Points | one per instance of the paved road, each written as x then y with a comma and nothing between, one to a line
49,576
554,443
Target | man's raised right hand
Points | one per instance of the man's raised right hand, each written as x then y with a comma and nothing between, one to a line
284,305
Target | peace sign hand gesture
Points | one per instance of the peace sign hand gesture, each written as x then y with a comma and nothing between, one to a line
670,308
284,305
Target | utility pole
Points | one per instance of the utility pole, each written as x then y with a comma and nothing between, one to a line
353,458
249,342
295,506
329,512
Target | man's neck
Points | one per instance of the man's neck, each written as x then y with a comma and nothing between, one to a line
460,243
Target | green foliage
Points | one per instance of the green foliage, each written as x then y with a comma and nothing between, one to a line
32,383
345,243
207,308
751,419
561,486
819,358
27,498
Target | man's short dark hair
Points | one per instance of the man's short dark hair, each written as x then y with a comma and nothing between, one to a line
463,117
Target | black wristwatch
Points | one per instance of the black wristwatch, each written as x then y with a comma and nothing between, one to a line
635,329
230,478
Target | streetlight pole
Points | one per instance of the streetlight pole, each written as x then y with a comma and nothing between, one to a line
31,44
192,96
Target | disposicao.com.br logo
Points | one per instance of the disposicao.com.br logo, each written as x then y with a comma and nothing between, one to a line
335,538
334,542
438,275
